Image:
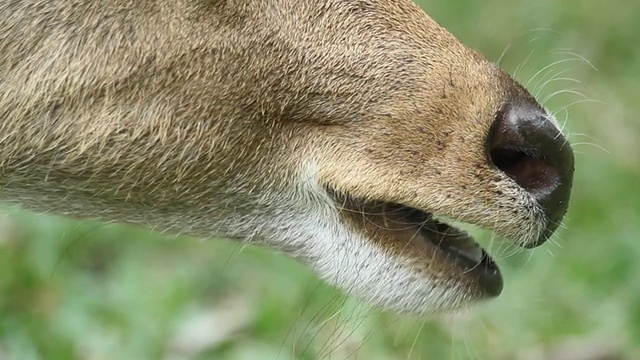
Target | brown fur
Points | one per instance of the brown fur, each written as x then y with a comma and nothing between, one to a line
201,116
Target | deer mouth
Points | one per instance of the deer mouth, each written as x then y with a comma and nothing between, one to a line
455,245
427,243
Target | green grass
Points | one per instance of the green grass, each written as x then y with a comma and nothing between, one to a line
73,290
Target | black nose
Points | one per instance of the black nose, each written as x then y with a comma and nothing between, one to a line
528,147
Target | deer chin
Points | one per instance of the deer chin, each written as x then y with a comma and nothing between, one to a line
448,257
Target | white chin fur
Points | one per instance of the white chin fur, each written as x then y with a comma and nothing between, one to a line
353,264
314,233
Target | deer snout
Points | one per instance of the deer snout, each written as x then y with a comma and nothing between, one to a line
529,148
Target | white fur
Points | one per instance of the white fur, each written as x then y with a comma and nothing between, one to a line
314,233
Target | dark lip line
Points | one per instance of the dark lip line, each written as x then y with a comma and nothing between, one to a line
435,226
429,226
486,274
485,263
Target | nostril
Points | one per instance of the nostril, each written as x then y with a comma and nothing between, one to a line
528,148
531,171
524,144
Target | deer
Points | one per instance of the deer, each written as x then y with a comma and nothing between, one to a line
347,134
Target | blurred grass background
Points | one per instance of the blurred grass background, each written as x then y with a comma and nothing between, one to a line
72,290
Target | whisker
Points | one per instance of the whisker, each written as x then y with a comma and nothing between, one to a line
579,102
574,91
576,55
522,66
599,147
554,79
545,68
503,55
415,340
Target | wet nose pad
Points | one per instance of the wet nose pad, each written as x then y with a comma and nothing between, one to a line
525,145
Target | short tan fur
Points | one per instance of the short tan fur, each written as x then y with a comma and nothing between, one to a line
286,123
